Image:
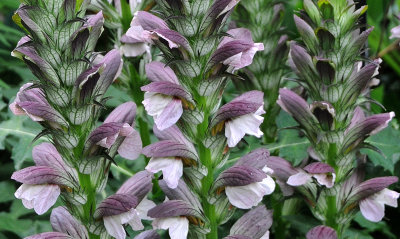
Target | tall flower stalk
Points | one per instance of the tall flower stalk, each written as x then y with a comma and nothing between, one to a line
264,20
327,62
66,99
195,132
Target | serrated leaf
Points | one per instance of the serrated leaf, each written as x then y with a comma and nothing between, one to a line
388,142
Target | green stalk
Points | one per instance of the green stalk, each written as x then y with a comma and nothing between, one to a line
90,205
207,181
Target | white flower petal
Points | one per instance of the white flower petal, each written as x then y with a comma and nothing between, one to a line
131,147
388,197
40,197
144,206
178,226
372,210
134,49
299,179
172,169
155,103
46,199
246,197
265,236
325,179
114,227
236,128
170,115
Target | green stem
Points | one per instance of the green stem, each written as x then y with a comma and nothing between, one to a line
209,209
207,181
90,205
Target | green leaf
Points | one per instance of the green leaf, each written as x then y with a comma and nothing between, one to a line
374,226
291,145
7,191
18,134
388,142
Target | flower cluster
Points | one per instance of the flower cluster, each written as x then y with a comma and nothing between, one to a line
264,19
327,65
66,99
195,132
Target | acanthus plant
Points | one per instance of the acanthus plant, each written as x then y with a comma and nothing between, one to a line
196,133
328,64
264,19
66,99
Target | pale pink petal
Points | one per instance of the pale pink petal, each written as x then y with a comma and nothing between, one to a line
170,115
236,128
248,196
178,226
155,103
299,179
144,206
388,197
372,210
131,147
327,180
172,169
46,199
265,236
114,227
134,49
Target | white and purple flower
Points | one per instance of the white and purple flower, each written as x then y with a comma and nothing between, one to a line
239,117
164,98
248,181
41,183
169,154
322,172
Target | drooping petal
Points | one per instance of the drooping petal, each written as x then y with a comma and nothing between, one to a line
144,206
236,128
134,49
248,196
114,227
172,169
170,115
62,221
372,210
178,227
321,232
155,103
327,180
299,179
388,197
38,197
131,147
